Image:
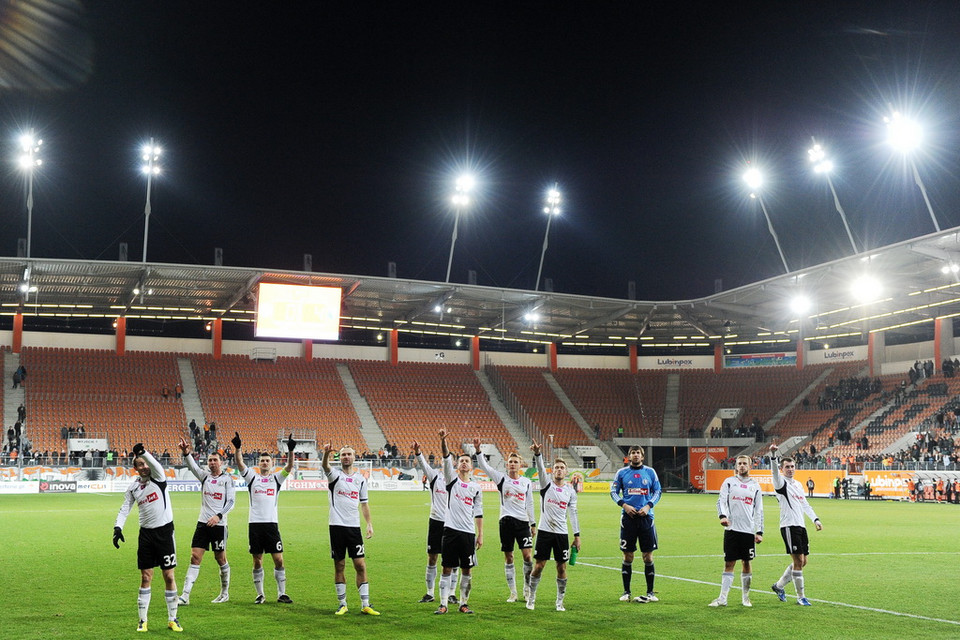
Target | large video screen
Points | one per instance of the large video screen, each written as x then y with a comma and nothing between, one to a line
295,311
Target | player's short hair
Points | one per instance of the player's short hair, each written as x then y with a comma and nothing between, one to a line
784,461
514,454
559,461
747,458
212,454
264,455
345,447
637,447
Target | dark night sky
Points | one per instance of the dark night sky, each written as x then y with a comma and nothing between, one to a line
338,128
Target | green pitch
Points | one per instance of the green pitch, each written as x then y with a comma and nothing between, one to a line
878,570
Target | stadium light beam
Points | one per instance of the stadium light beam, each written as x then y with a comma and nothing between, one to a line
754,180
905,135
822,164
150,157
551,207
461,199
28,161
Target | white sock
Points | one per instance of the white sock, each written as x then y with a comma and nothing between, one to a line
192,572
726,581
431,579
281,577
534,583
798,583
510,571
341,593
225,578
364,590
143,602
172,603
786,577
527,568
465,582
561,589
745,580
445,589
258,580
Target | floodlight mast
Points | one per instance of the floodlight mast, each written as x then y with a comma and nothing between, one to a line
151,154
754,180
460,200
551,208
905,135
29,147
822,164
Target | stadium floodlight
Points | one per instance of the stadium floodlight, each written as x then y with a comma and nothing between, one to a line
28,161
150,168
905,135
460,200
800,304
754,179
823,164
866,289
551,207
952,267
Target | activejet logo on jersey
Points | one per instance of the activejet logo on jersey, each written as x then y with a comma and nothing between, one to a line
216,496
748,501
560,503
268,491
153,497
468,500
350,495
638,492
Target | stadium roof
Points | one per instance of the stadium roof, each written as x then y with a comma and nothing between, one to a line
913,291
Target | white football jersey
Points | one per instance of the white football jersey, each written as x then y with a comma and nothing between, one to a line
438,489
557,503
346,492
464,500
264,494
151,498
219,493
516,495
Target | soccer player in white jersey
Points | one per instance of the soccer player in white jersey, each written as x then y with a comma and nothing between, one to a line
793,505
517,524
347,490
263,530
462,526
157,545
438,511
218,497
558,501
740,509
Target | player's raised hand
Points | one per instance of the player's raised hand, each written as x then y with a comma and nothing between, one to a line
535,447
291,443
476,445
235,440
327,447
416,448
443,433
773,449
183,445
138,449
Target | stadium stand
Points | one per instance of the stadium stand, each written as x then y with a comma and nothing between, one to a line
542,405
612,397
116,397
413,401
263,399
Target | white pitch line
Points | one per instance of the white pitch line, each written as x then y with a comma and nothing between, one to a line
761,591
777,555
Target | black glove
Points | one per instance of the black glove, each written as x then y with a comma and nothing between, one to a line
235,441
291,443
117,537
138,449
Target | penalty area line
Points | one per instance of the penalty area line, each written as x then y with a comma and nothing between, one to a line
761,591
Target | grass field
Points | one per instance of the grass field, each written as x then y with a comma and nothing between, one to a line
877,570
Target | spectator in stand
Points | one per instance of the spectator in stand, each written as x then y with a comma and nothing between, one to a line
165,392
21,413
177,390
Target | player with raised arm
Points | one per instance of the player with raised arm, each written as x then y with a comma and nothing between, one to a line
462,526
438,511
740,508
157,545
636,488
558,501
218,497
793,505
517,524
348,493
263,530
